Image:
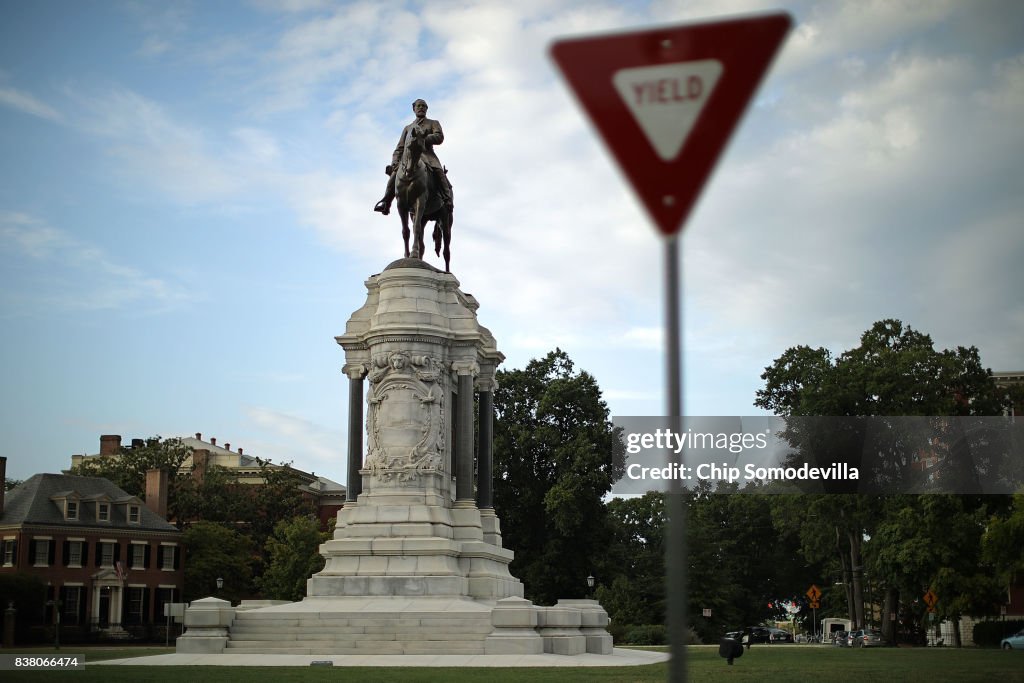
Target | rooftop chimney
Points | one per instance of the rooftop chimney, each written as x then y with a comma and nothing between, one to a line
240,450
156,492
3,481
199,436
200,459
213,440
110,444
227,446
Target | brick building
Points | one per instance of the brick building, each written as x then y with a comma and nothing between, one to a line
110,559
326,495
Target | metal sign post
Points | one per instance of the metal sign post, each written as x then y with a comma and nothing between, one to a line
665,101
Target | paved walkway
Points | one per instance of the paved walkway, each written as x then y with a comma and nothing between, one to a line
619,657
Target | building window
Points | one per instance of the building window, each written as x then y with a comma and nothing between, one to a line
138,556
136,604
42,554
71,604
9,555
71,509
74,553
103,512
133,514
164,596
106,554
168,561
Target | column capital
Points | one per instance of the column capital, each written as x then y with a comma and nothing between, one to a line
355,370
485,383
466,367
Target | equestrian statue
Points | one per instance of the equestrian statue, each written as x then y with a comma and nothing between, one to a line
420,183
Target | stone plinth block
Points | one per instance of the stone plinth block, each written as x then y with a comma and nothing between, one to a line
559,627
514,621
593,622
207,622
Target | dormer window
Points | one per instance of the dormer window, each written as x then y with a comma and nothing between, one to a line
133,514
103,512
70,509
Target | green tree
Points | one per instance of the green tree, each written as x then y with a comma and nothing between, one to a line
632,576
556,455
895,371
1003,541
217,551
293,551
128,469
741,566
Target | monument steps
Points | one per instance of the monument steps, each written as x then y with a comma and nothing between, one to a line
358,633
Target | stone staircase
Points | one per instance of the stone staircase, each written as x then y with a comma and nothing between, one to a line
367,632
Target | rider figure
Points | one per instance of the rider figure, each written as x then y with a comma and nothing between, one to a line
430,130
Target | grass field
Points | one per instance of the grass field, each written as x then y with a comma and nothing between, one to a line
801,663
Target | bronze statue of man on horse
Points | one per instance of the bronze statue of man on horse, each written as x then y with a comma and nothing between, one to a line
420,183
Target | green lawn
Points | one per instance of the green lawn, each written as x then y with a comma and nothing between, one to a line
802,663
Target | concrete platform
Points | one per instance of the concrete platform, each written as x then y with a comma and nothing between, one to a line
619,657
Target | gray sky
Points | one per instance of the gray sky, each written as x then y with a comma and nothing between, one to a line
185,212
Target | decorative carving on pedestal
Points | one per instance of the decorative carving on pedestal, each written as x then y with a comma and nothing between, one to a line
405,424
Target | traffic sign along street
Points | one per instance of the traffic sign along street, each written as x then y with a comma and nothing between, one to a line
666,100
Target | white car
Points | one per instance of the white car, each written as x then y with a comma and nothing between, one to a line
1014,642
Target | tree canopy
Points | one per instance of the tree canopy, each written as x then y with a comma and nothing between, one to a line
293,552
904,544
555,458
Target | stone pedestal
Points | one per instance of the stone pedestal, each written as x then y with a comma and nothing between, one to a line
415,528
416,563
207,622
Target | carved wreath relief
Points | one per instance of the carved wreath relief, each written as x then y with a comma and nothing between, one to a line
405,416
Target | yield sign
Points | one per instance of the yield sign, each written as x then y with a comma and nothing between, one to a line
666,100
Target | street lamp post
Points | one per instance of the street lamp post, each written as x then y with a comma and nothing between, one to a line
590,585
220,585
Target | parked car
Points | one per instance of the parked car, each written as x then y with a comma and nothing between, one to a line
1014,642
839,638
853,638
778,635
871,638
751,635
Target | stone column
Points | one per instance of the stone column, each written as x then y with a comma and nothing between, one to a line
464,438
485,466
355,372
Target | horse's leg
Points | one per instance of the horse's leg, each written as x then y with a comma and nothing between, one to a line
447,232
403,213
419,221
420,224
437,237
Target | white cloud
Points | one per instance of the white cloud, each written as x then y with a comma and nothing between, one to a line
287,438
28,104
64,272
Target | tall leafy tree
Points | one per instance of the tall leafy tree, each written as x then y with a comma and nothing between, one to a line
1003,542
632,577
217,551
894,371
128,469
556,455
293,551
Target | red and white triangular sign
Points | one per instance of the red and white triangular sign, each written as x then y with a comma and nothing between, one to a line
666,100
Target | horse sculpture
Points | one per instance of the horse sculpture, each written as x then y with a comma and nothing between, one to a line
419,198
